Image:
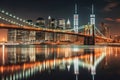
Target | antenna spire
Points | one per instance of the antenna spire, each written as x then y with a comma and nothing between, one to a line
92,9
75,8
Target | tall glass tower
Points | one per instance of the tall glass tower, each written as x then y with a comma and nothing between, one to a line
92,19
76,20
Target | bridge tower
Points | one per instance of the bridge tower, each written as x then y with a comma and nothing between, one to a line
90,40
76,19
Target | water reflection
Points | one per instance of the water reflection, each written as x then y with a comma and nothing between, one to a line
3,52
25,61
22,54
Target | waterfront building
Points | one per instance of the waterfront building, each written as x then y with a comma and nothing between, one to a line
18,35
3,35
40,22
21,35
68,24
31,34
61,23
48,25
11,35
49,22
53,23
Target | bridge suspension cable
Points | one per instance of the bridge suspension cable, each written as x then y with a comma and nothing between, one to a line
79,28
99,32
10,18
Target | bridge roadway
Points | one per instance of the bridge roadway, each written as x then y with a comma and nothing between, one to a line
10,26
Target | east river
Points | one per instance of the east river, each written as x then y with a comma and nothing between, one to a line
59,62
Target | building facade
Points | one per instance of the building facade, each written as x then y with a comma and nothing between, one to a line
61,23
76,20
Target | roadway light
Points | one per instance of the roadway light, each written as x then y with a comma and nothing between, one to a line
3,11
16,23
21,25
3,18
14,16
8,20
23,20
32,24
20,19
6,13
26,22
17,18
11,21
10,15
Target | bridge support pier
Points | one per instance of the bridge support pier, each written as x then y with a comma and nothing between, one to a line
89,40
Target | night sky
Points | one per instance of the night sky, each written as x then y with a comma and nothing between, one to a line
107,11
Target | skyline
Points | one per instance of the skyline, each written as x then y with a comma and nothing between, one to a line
106,11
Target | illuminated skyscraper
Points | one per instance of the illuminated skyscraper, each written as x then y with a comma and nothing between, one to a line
40,22
76,20
53,23
92,19
49,21
61,23
68,24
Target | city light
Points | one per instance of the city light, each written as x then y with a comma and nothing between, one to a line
66,40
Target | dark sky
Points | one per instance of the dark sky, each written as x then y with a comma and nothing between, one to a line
107,11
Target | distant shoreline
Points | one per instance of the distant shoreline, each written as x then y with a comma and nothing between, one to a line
60,43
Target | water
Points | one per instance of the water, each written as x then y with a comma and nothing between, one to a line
59,62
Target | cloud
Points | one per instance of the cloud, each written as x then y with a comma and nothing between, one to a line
110,6
112,20
118,20
108,19
109,0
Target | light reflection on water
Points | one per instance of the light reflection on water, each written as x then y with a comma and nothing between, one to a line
24,62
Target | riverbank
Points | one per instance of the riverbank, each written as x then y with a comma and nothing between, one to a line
60,43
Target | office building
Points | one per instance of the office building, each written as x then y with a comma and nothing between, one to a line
76,20
68,24
61,23
40,22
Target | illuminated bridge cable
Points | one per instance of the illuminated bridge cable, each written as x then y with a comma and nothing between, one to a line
99,32
17,18
79,28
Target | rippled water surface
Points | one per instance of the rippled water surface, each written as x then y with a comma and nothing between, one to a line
59,62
